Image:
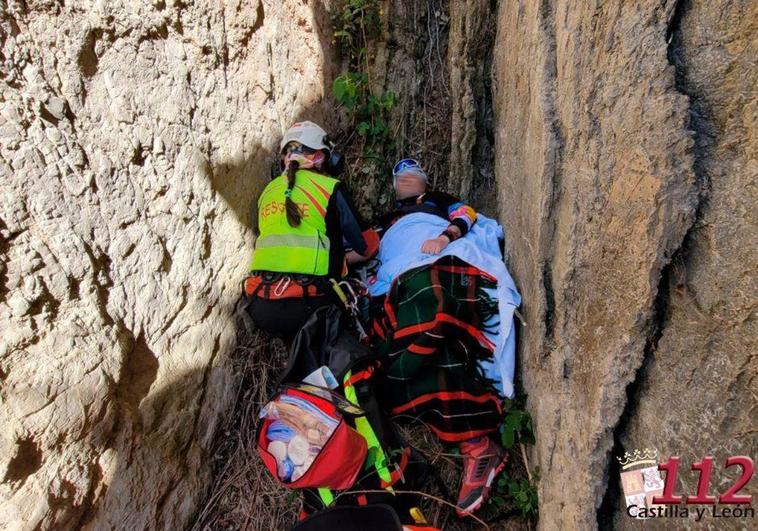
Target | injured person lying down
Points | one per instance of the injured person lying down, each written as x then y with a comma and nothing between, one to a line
445,326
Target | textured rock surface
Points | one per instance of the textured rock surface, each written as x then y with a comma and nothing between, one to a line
595,172
133,137
467,21
411,59
436,55
697,390
601,183
472,34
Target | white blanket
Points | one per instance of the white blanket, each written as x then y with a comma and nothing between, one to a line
400,250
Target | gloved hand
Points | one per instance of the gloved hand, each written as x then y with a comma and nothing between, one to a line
436,245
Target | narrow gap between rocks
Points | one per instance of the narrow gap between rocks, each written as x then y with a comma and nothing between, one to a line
243,494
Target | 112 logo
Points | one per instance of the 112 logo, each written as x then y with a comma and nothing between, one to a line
648,495
704,467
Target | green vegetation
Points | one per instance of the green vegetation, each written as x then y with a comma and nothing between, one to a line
521,492
355,24
517,426
518,493
368,112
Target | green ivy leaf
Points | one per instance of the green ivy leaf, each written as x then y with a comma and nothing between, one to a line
510,427
373,103
380,128
389,100
339,89
527,429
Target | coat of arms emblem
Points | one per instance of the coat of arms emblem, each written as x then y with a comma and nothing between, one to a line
640,480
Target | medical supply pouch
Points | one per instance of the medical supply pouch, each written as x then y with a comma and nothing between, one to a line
305,440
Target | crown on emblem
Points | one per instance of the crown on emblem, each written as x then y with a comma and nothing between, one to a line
638,457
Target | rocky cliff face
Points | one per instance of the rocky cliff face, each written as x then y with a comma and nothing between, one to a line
610,162
695,392
133,139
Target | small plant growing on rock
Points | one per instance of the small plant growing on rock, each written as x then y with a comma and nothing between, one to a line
512,490
354,24
517,425
369,143
521,492
368,112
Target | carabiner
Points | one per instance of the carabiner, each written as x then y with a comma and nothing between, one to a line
279,289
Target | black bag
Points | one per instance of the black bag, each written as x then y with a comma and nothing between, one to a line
378,517
324,340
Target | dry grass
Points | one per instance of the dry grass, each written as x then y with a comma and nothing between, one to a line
448,466
244,496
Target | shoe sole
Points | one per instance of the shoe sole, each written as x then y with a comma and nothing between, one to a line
474,506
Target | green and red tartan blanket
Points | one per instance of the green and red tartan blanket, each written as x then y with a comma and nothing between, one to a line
431,334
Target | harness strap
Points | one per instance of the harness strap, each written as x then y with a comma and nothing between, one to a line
359,376
326,496
363,427
252,285
277,286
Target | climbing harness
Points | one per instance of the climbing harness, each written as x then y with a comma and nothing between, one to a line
351,302
276,286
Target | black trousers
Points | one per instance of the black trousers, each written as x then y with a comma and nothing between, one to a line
284,317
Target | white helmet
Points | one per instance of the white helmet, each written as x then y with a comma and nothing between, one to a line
308,134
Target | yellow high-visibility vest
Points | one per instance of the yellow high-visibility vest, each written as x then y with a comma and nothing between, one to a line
303,249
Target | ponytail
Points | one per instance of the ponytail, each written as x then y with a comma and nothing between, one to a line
293,213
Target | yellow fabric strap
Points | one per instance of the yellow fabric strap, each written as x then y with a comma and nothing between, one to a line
362,425
326,496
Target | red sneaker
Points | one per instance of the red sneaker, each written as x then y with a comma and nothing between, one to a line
484,459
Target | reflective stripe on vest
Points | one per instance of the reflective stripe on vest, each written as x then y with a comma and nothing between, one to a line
288,240
303,249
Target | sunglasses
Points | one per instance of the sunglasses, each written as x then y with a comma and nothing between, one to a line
405,164
297,147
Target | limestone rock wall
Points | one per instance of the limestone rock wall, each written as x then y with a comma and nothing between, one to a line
472,37
697,390
609,163
597,191
133,139
410,57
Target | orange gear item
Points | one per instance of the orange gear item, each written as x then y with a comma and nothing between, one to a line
372,242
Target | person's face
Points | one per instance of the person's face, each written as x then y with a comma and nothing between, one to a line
409,185
297,149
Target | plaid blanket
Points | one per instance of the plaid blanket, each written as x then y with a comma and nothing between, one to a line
431,334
